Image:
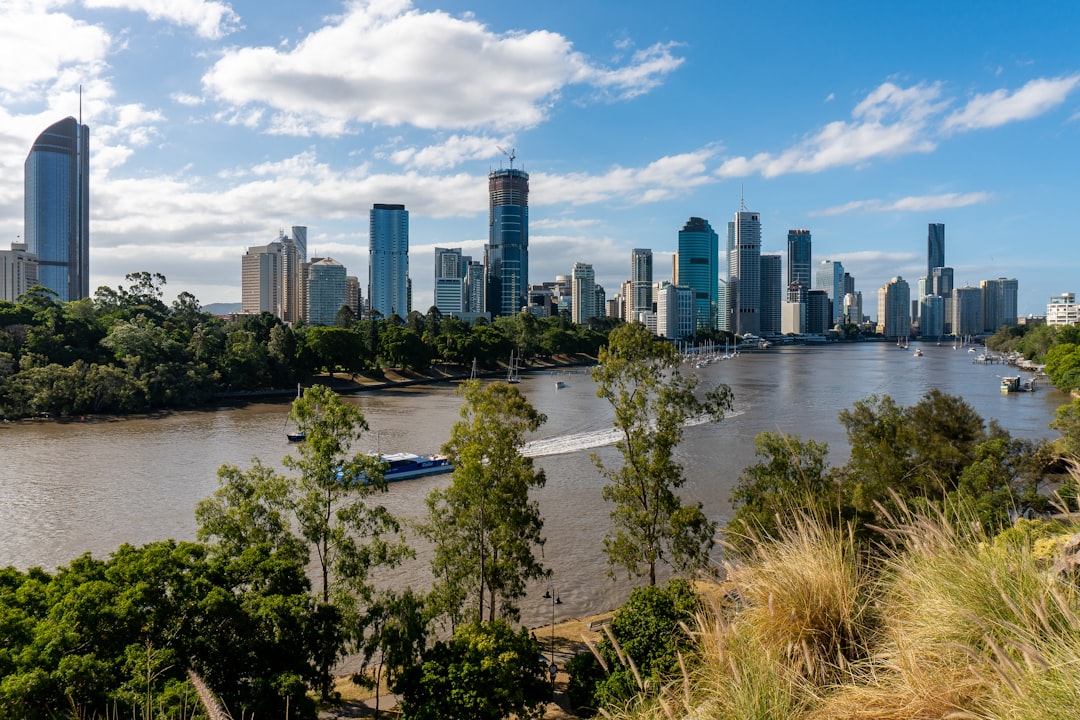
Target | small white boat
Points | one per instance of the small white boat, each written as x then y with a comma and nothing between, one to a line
918,352
559,384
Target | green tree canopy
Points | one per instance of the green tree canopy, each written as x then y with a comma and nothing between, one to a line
484,526
639,376
486,672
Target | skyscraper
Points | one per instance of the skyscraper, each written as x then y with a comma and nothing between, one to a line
327,291
894,308
583,305
798,257
999,303
641,276
57,208
772,294
830,278
450,267
506,255
697,267
744,271
388,266
935,248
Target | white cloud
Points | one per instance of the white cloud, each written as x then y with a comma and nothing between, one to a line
999,107
891,121
186,99
451,152
661,179
915,203
211,20
386,63
36,45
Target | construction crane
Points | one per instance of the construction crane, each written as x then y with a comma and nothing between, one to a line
510,155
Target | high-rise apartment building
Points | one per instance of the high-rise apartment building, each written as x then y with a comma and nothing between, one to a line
674,311
999,300
772,294
506,255
475,287
270,279
935,247
798,256
18,271
932,316
450,266
696,267
641,275
388,263
327,291
583,281
894,308
744,272
967,308
56,208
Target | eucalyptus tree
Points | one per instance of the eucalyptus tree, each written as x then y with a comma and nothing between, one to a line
639,376
485,527
324,513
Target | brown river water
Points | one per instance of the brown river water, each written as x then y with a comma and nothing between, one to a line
70,488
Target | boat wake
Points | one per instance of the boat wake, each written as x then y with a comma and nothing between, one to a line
589,440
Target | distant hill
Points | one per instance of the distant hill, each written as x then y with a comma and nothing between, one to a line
222,308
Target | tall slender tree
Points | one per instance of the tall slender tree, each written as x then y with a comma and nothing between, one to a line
484,526
653,401
325,511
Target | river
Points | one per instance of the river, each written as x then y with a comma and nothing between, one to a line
69,488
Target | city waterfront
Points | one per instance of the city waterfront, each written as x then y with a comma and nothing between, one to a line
89,486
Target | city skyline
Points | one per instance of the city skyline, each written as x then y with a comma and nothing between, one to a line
275,114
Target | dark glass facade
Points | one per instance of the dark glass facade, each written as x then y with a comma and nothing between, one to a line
698,269
935,247
57,208
506,256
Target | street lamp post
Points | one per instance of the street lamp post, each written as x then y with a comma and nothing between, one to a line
553,669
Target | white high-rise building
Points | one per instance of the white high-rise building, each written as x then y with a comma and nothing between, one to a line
270,279
450,267
894,308
1063,310
584,293
18,271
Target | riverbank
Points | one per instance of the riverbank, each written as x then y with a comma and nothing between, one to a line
390,378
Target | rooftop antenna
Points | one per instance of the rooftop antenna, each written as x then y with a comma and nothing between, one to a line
510,155
742,199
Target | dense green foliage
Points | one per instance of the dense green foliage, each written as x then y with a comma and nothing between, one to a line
938,451
125,350
484,526
117,637
1056,346
639,376
485,672
648,631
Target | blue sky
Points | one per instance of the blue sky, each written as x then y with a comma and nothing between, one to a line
215,124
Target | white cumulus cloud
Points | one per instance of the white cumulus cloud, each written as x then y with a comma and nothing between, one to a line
384,62
211,20
1000,107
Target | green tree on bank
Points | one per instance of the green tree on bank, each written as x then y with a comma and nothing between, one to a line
485,527
126,351
322,516
639,376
